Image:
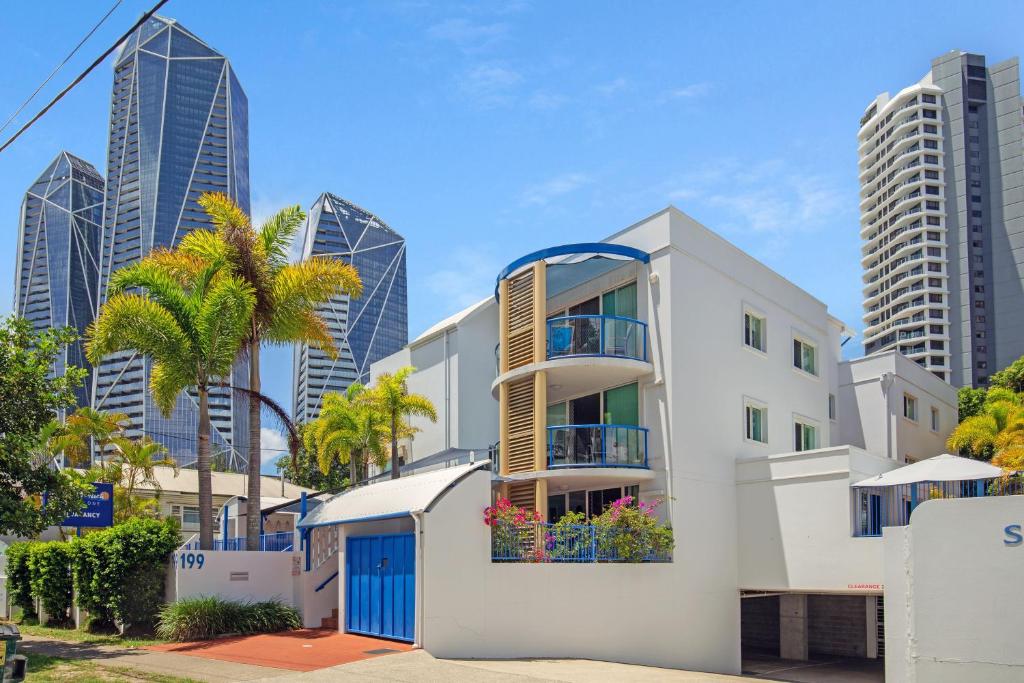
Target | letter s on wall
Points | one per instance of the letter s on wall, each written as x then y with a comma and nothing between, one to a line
1013,535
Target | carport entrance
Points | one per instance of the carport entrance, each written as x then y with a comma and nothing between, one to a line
380,585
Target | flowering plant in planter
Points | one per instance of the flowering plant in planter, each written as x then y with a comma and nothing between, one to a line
513,532
629,532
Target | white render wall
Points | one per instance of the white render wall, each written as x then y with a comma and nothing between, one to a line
871,410
954,610
473,608
795,522
258,576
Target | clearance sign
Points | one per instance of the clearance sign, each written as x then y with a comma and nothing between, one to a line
99,508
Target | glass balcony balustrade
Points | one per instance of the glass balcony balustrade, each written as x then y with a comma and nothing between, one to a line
596,335
597,445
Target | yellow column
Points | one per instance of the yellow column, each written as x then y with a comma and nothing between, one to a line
542,498
540,385
540,312
503,429
503,388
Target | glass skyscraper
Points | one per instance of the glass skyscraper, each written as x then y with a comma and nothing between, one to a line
58,248
178,128
365,329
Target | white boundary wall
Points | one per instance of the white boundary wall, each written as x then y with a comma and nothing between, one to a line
237,575
654,614
954,609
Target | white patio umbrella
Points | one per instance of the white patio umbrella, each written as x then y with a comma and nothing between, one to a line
943,467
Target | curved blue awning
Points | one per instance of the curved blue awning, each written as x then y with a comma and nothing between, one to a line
570,249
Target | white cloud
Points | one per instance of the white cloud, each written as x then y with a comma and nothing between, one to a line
273,444
771,200
489,85
687,92
612,87
542,193
467,277
468,36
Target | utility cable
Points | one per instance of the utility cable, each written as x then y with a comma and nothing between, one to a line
99,60
59,67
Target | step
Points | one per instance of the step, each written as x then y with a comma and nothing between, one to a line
329,622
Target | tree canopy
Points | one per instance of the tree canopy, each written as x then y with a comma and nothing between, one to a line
31,395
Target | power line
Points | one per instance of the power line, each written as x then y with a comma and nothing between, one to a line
59,66
99,60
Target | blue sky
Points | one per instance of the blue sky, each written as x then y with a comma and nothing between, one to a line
483,131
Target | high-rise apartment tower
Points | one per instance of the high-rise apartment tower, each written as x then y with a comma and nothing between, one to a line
178,128
365,329
942,219
58,251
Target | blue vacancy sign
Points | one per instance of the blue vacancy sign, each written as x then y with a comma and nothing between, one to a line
99,508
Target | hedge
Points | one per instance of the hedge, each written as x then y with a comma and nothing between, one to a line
49,565
19,579
119,573
116,574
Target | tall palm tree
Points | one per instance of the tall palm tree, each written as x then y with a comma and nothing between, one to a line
350,429
87,427
287,296
391,394
190,318
996,432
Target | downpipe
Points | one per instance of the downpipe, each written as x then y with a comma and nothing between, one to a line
417,517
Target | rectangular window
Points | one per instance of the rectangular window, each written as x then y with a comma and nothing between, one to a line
909,407
754,331
935,419
805,436
831,406
756,417
805,356
930,99
188,515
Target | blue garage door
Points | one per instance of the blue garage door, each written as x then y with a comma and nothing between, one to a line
380,585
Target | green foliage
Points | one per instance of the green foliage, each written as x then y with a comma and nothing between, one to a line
119,572
970,402
392,397
49,566
352,429
206,617
1011,377
306,469
29,401
19,578
632,533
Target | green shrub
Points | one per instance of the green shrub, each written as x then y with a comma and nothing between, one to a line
50,569
19,579
119,572
206,617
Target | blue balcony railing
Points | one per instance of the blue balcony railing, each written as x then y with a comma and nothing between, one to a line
596,335
542,542
282,541
597,445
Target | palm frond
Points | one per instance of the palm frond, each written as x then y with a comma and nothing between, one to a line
223,322
277,233
222,210
134,322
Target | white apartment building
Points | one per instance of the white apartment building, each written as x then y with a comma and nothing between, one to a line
942,222
666,363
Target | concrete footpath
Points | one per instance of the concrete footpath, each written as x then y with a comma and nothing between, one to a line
167,663
417,666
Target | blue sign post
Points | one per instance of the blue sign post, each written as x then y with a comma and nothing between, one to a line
99,508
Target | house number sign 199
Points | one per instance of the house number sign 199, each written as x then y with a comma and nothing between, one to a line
192,560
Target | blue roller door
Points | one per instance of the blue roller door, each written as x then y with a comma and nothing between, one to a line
380,584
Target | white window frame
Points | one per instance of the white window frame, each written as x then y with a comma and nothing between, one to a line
806,341
760,315
806,422
911,401
936,419
178,512
749,403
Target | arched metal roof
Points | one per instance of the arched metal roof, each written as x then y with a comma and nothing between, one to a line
569,249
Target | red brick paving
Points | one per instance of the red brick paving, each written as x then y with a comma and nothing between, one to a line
303,650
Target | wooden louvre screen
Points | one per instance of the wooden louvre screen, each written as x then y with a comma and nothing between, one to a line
520,426
520,320
523,495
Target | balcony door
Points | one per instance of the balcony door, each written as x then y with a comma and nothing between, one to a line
623,446
586,332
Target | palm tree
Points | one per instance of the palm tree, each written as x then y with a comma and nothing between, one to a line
350,429
996,432
86,427
287,296
391,394
131,464
190,318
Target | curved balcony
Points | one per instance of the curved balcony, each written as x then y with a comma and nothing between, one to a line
597,445
596,335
